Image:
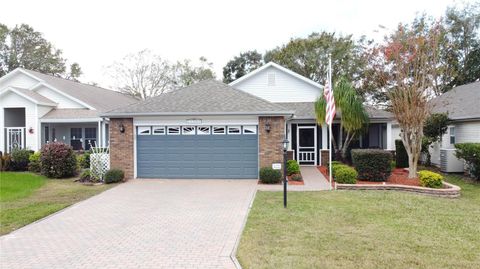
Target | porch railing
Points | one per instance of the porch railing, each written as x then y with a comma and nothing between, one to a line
306,156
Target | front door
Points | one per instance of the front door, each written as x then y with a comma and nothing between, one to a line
15,138
307,145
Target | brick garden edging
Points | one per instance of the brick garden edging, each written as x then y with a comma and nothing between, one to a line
449,191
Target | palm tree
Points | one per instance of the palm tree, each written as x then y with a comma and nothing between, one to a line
354,116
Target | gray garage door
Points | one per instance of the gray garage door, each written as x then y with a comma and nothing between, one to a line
180,152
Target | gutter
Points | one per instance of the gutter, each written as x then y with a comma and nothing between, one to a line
261,113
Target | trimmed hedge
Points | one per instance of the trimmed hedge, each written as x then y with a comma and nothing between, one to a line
114,175
292,167
346,175
34,164
372,164
269,175
430,179
58,160
401,156
470,152
337,166
20,159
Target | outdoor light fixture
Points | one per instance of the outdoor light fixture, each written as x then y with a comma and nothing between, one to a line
267,127
121,128
285,179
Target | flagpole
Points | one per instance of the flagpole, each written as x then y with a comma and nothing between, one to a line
331,123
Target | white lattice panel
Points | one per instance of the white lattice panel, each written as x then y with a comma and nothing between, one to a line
99,162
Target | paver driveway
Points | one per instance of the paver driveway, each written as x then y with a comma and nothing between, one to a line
139,224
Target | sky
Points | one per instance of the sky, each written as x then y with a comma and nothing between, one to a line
97,33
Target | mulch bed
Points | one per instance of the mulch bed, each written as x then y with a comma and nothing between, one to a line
399,176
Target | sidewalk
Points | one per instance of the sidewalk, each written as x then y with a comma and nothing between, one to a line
313,179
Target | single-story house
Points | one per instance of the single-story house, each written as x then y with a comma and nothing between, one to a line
462,106
214,130
36,109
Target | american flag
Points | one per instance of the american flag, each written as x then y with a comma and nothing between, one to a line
328,94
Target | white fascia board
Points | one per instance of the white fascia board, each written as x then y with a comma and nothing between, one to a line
75,120
184,121
36,86
279,67
10,89
19,70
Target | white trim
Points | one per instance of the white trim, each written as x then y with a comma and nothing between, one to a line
315,146
70,120
279,67
17,70
202,132
194,130
11,89
252,113
134,151
34,87
389,136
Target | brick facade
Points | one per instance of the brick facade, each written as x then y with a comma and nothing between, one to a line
270,143
121,146
324,157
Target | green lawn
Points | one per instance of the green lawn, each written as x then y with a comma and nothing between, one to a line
26,197
363,229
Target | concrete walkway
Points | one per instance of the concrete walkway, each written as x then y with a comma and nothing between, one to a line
139,224
313,179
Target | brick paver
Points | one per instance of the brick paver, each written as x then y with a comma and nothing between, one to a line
139,224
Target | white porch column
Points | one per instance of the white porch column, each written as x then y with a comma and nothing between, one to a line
289,135
324,136
389,136
99,134
340,139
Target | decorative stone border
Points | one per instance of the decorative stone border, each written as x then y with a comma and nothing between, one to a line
449,190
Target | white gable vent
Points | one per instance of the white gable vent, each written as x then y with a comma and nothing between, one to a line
271,79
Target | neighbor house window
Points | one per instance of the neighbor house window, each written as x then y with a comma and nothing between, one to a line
188,130
452,135
158,130
90,137
203,130
76,138
249,129
234,129
219,130
143,130
173,130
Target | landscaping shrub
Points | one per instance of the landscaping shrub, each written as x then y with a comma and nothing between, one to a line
337,166
346,175
5,162
401,156
86,176
372,164
34,164
84,159
296,177
269,175
430,179
58,160
20,159
292,167
470,152
114,175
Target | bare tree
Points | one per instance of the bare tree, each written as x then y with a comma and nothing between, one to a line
142,75
408,64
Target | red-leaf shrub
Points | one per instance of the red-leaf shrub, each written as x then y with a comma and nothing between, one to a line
58,160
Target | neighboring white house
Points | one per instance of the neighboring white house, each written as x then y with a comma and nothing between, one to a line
36,108
277,84
462,104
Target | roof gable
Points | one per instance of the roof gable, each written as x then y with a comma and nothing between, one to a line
208,97
29,95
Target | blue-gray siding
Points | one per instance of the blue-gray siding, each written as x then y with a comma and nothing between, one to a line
197,156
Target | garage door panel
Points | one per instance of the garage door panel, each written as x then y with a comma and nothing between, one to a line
197,156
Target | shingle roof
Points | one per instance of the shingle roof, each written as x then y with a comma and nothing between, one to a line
99,98
306,110
461,103
205,97
38,98
71,113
